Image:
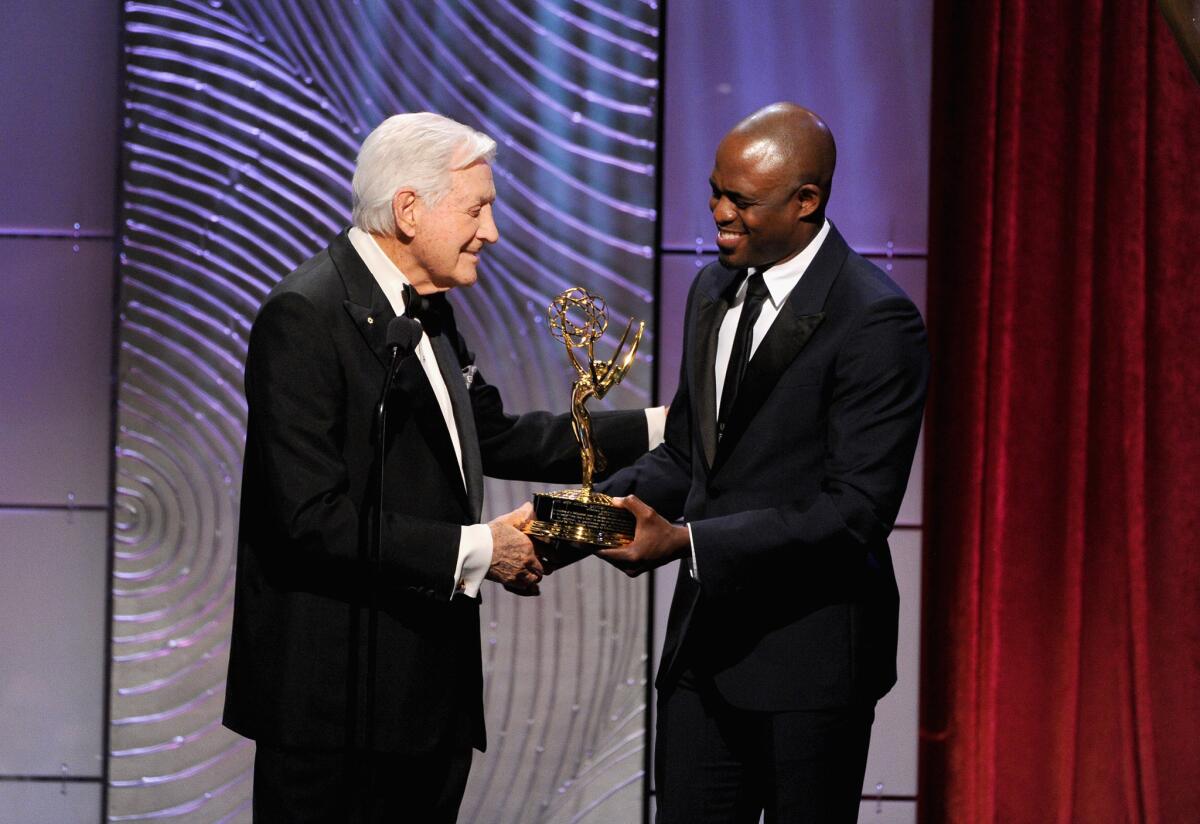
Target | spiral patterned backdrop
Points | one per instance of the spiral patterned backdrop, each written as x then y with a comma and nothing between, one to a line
242,121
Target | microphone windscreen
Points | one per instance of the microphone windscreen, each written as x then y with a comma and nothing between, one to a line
403,335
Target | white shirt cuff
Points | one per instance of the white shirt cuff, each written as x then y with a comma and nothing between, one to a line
656,425
695,570
474,559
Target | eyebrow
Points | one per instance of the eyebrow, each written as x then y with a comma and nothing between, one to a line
732,195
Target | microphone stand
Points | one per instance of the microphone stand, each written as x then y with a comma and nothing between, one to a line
403,335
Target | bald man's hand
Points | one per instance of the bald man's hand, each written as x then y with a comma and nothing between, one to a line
656,541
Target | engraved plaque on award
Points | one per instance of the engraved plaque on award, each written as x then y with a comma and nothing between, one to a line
585,516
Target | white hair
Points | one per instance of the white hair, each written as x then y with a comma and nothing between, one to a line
415,151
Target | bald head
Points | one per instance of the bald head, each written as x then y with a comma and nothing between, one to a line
770,184
790,139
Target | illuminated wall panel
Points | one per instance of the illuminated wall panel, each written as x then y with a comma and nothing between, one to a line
55,334
52,610
242,122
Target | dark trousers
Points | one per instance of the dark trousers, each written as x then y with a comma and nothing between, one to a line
719,764
301,786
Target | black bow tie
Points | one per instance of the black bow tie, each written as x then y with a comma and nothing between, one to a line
422,307
416,305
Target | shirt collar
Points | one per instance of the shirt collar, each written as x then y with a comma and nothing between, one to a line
782,278
389,277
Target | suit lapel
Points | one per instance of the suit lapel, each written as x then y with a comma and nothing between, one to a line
710,309
794,326
365,302
422,404
464,419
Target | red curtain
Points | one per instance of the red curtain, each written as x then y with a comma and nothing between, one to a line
1061,640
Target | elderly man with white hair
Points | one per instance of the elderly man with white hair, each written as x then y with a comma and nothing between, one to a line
355,660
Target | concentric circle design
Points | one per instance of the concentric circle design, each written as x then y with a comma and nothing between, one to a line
242,121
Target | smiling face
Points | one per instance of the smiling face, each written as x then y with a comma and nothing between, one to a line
761,207
447,237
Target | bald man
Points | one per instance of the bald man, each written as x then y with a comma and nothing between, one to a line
788,449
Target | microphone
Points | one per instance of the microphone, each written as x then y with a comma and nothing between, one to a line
403,335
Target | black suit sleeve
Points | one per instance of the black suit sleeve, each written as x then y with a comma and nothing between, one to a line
296,395
874,417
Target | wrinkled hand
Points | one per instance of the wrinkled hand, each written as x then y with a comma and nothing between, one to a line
656,542
515,565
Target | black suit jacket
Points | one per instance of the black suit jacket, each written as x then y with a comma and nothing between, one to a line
302,630
796,604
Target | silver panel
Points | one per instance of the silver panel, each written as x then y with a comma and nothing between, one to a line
58,81
873,812
909,274
892,761
53,600
56,340
27,802
678,272
887,812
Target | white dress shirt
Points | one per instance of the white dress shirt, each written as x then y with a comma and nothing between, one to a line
780,280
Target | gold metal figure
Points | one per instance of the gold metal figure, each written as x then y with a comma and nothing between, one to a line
579,319
584,517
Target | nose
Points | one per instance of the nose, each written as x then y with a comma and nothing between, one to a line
722,210
487,231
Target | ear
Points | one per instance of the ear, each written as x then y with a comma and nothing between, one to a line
404,210
809,198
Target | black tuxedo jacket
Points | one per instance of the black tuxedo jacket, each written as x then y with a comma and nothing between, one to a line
796,604
303,635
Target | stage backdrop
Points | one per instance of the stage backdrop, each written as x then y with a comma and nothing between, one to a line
242,121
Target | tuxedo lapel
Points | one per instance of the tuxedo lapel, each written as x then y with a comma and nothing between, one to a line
422,405
711,307
365,302
372,322
792,329
464,419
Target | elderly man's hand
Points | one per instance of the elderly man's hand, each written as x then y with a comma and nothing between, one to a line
515,564
656,542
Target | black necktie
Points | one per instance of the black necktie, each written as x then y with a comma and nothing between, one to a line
756,293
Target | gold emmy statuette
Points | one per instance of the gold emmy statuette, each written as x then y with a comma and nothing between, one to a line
584,516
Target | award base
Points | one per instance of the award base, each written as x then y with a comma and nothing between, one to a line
580,516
